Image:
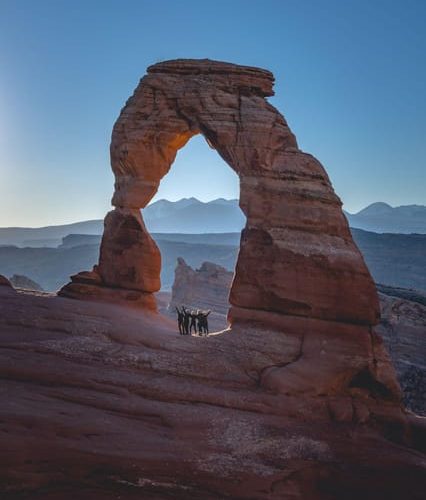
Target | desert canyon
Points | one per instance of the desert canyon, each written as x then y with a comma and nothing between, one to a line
296,399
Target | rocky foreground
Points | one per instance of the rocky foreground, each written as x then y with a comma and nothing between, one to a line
402,325
106,402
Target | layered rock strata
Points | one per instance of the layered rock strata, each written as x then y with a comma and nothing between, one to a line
297,256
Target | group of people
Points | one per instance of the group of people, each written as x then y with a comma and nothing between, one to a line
192,320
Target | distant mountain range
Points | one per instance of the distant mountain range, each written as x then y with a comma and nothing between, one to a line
382,218
187,215
49,236
393,259
192,216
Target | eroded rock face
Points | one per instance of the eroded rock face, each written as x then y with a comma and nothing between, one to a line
204,288
129,257
403,327
297,256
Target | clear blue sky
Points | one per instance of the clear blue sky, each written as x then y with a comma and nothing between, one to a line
350,79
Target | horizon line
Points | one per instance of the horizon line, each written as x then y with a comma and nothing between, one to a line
199,201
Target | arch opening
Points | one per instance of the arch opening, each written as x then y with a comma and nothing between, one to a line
196,223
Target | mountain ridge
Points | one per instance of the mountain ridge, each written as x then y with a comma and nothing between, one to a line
381,217
192,216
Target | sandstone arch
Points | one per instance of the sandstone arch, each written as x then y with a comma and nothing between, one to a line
297,256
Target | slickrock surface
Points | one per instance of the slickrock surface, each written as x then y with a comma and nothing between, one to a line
297,255
105,402
402,325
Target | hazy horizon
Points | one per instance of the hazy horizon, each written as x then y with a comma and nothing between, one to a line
185,198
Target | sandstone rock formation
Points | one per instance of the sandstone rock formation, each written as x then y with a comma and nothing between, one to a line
297,256
297,400
204,288
20,281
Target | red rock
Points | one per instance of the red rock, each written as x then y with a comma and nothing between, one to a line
297,255
298,399
129,257
88,285
103,402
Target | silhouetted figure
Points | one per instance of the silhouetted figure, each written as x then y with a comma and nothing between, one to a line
186,318
203,324
180,321
193,324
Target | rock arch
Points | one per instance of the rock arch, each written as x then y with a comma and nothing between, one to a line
297,256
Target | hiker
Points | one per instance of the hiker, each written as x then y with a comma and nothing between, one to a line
203,325
193,323
186,318
180,321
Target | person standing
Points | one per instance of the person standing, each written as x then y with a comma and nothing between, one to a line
203,325
193,324
180,321
186,318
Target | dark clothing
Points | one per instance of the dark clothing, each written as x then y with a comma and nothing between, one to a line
203,324
186,318
180,321
187,321
193,324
